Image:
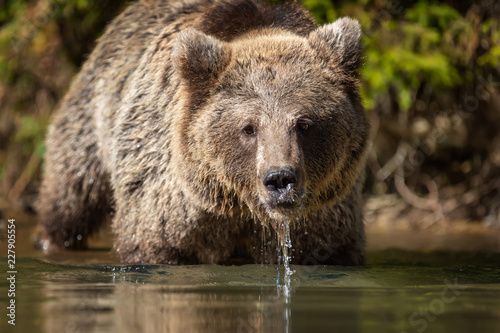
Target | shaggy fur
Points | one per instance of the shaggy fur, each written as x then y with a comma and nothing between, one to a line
181,111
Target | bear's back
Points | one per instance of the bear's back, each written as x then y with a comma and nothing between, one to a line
129,35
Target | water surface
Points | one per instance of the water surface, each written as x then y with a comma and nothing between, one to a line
398,291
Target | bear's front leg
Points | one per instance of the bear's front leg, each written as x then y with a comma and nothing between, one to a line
174,234
75,194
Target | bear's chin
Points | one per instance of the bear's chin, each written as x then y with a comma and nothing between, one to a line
286,212
283,205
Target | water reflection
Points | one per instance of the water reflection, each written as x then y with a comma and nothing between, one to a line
83,308
174,299
158,309
384,297
128,307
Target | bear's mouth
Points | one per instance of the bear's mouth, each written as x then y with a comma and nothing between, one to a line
288,204
289,201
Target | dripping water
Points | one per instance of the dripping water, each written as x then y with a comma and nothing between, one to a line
284,258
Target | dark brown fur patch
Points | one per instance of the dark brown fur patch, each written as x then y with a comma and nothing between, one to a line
229,19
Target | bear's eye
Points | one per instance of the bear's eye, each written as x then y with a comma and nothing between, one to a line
303,125
249,130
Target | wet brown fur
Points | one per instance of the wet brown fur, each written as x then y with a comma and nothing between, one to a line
151,131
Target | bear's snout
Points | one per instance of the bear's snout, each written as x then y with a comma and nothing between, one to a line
281,184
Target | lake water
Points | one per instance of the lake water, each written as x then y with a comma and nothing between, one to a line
397,291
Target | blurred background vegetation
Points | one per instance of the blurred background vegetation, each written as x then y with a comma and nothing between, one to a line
431,86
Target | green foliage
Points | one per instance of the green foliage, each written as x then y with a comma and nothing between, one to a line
492,57
323,10
425,44
11,9
431,14
31,134
405,54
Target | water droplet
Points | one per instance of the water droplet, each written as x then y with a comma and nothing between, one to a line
79,237
91,181
66,243
139,146
79,174
284,257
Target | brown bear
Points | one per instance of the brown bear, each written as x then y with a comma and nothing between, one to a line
208,127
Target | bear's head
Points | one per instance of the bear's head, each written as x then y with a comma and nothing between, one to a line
271,123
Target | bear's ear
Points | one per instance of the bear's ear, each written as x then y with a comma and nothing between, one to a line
199,58
339,43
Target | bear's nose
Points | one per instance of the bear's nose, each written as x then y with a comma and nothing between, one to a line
280,182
